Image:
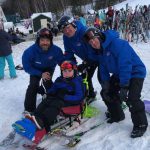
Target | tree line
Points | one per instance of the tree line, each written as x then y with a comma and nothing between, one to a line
27,7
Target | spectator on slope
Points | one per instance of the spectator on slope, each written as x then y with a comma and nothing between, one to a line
6,55
82,19
20,33
97,22
109,15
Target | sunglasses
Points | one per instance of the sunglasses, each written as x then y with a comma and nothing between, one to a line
65,25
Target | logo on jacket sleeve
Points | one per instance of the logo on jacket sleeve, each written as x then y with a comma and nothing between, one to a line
50,57
38,62
78,44
108,54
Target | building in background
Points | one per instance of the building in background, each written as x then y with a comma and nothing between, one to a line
41,20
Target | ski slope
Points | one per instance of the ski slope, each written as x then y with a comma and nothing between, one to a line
106,137
114,136
132,3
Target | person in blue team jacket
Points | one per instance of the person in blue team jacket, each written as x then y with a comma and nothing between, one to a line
39,61
72,37
6,55
67,90
122,76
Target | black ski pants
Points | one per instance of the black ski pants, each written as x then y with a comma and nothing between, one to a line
114,105
91,70
135,104
32,90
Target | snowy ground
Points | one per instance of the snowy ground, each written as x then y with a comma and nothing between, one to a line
105,137
132,3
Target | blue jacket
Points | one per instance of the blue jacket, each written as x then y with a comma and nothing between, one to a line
36,61
120,59
83,21
75,45
74,86
5,47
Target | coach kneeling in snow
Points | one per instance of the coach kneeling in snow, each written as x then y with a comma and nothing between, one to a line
40,61
117,57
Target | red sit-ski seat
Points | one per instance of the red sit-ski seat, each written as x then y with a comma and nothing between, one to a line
73,110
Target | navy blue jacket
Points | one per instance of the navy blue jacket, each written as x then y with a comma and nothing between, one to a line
36,61
5,47
75,45
74,85
120,59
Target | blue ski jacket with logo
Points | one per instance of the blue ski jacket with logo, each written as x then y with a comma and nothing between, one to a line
75,45
119,58
36,61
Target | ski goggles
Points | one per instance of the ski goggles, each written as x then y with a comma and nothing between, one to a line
66,66
88,36
65,24
67,70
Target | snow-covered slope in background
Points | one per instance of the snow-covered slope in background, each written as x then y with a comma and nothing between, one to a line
132,3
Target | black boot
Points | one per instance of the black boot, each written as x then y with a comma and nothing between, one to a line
138,117
116,112
112,120
107,114
138,131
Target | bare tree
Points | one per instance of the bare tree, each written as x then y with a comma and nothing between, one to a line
26,7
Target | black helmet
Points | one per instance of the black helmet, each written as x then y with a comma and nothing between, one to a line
44,33
92,32
64,21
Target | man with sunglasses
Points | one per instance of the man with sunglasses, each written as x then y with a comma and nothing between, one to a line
39,61
73,43
118,58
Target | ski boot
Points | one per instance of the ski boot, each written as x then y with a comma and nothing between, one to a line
138,131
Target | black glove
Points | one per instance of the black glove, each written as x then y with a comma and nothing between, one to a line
82,67
61,93
51,94
105,91
123,93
